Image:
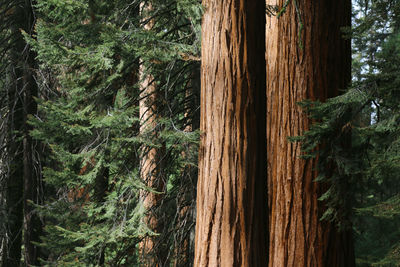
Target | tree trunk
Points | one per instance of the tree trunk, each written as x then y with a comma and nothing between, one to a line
150,164
32,223
11,254
23,177
312,64
231,192
149,172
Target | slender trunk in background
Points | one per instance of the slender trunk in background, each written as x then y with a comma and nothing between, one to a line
32,223
231,227
314,64
150,161
149,172
22,187
11,254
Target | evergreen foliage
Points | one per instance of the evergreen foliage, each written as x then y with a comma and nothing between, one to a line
90,52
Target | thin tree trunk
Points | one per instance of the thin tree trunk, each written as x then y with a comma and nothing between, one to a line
22,181
231,227
312,62
150,161
32,223
149,172
11,254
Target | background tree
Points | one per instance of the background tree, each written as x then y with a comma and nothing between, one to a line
89,118
151,158
369,109
371,160
21,173
231,192
307,58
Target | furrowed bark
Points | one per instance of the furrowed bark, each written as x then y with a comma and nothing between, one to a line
231,192
309,63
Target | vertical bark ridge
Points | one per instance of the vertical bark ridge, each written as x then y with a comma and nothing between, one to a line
231,197
315,66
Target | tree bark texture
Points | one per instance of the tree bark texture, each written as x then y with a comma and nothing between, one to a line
150,163
231,192
309,63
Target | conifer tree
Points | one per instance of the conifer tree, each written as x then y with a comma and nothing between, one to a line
22,174
307,58
89,122
368,164
150,167
231,224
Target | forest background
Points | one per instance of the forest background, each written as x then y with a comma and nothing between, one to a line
99,132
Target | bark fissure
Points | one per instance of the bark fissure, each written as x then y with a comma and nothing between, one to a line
312,65
231,200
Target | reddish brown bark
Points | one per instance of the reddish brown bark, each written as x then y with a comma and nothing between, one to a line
313,65
231,193
149,172
150,163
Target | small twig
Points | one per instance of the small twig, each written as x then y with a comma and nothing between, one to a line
283,9
300,23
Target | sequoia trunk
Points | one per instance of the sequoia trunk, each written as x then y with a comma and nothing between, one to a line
231,192
307,58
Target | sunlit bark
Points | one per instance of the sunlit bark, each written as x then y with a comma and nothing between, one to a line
231,223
